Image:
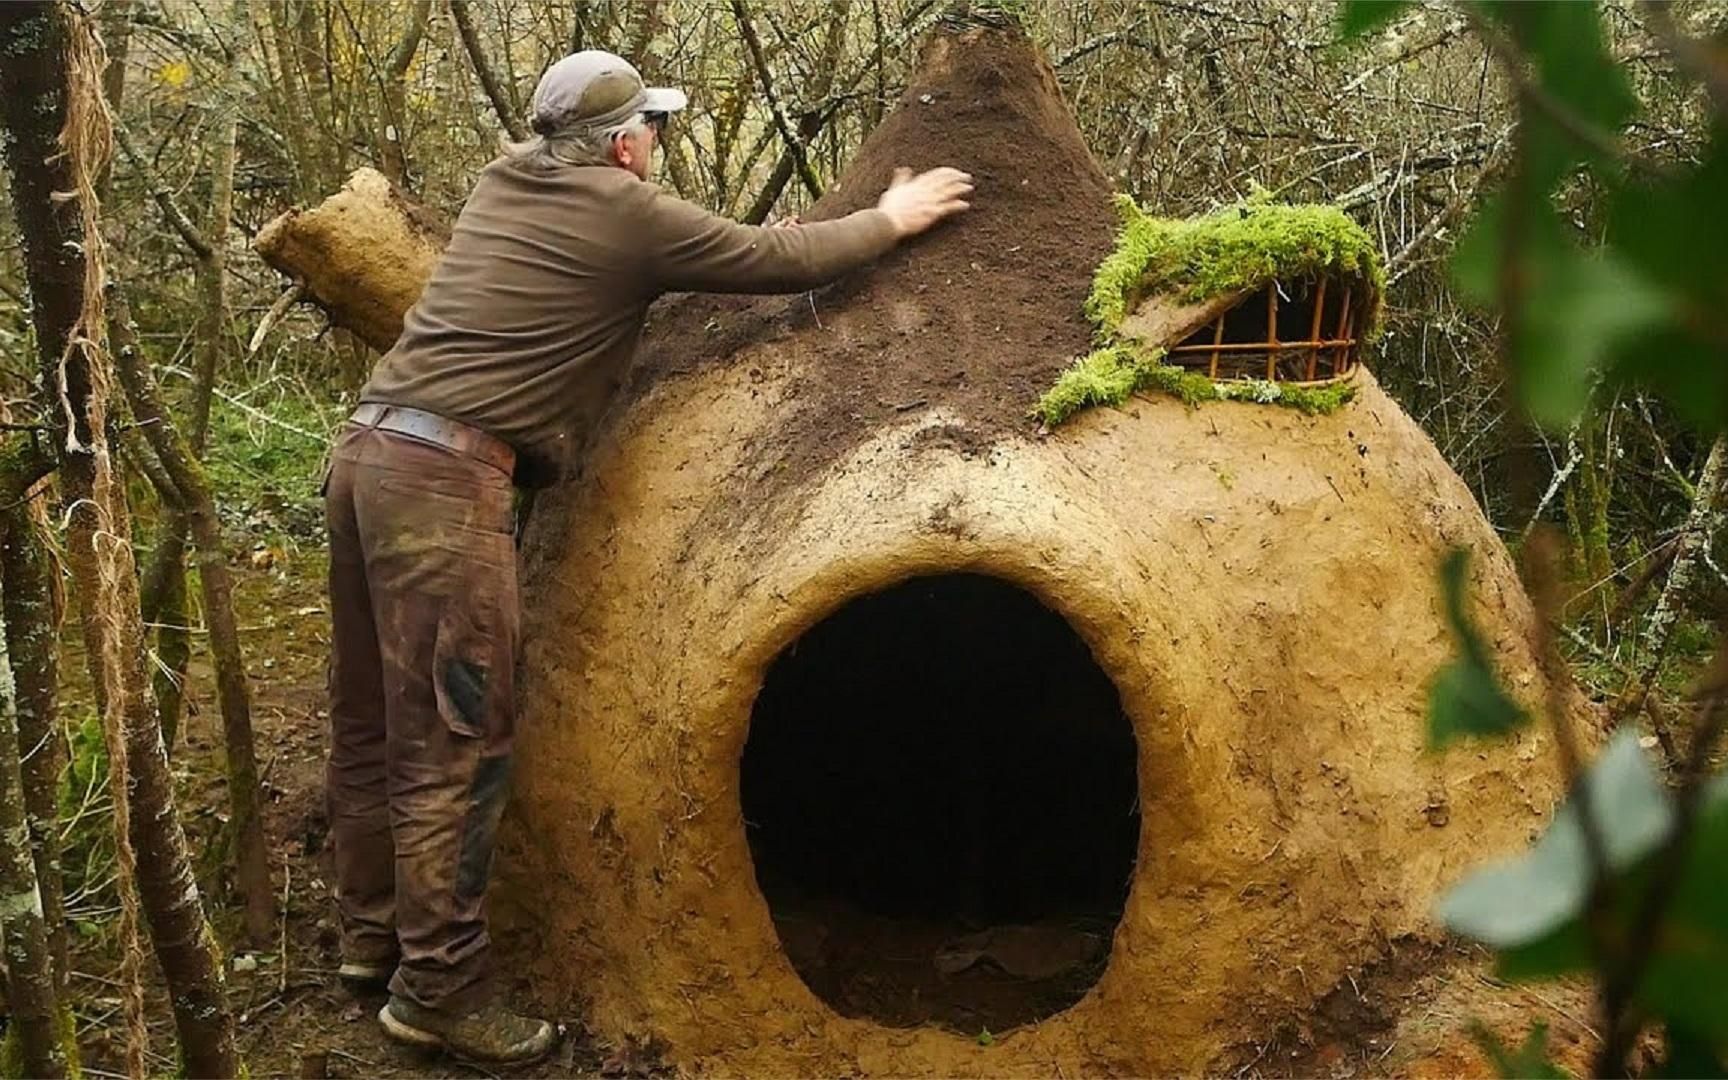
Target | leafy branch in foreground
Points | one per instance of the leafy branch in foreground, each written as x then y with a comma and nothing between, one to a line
1629,884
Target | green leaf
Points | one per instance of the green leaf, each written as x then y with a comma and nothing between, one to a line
1477,258
1530,1060
1674,227
1563,39
1465,698
1674,230
1563,952
1465,701
1687,981
1534,896
1359,17
1576,307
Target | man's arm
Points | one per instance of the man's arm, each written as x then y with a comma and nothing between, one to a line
690,249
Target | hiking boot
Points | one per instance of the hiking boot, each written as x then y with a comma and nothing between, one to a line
366,976
489,1034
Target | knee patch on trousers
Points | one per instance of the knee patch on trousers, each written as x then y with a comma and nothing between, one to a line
464,685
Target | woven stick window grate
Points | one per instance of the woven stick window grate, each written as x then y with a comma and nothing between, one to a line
1282,333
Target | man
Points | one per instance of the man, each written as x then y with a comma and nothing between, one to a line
502,369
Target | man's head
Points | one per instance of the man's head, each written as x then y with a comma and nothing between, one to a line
592,108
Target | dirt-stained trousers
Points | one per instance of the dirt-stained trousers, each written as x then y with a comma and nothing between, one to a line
425,621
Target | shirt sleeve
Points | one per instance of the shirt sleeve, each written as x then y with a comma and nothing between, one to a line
692,250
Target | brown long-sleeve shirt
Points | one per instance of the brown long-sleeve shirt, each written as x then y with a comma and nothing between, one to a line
535,307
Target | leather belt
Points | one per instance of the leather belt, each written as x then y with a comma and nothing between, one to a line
439,431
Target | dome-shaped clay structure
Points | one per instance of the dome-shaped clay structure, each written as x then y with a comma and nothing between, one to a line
860,719
869,728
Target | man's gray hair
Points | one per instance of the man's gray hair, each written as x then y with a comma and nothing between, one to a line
571,144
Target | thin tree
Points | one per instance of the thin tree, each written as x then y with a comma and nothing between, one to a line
187,490
193,509
59,141
495,91
30,984
394,91
31,610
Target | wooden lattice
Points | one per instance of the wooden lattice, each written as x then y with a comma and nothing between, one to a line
1227,349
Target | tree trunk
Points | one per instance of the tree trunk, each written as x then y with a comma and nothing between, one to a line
164,605
30,981
495,91
48,75
116,28
32,614
811,122
311,52
765,79
1701,525
165,582
197,508
393,157
301,137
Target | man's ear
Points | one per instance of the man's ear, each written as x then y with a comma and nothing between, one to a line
618,146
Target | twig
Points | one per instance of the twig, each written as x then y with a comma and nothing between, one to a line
1087,48
1708,66
1399,264
1573,456
282,950
759,60
249,410
1404,56
165,199
290,296
1605,144
1540,558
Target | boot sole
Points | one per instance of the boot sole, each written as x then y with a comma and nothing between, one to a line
365,978
410,1035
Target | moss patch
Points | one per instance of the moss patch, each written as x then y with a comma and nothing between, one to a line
1109,376
12,1049
1236,248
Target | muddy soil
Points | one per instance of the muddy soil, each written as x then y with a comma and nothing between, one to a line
978,315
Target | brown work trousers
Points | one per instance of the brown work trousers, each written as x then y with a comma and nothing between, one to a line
422,711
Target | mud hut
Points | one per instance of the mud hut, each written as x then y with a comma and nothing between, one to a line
868,727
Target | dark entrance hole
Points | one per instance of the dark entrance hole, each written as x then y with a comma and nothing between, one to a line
939,789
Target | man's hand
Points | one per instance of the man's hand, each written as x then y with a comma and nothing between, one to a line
914,203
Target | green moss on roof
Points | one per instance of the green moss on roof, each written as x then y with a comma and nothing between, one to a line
1238,247
1113,374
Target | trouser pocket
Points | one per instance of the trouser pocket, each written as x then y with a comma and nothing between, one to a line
472,672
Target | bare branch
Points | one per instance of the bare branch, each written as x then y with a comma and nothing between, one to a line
1129,34
164,198
483,69
1709,66
794,144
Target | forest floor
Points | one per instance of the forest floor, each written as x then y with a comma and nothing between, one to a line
1410,1016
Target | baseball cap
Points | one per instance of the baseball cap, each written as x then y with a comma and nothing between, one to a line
597,89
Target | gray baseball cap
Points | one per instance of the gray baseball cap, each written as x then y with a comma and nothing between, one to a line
597,89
